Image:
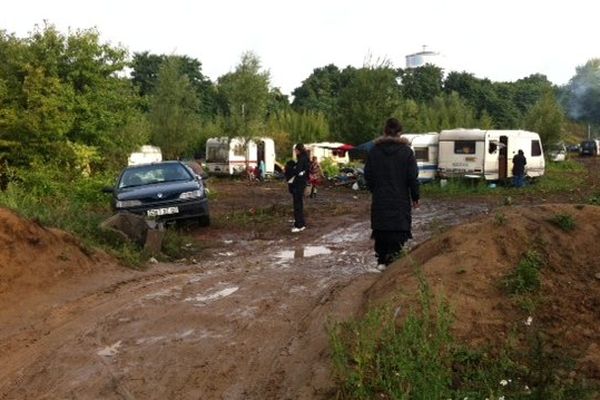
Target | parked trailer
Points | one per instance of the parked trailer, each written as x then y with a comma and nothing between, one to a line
325,150
425,147
475,153
229,156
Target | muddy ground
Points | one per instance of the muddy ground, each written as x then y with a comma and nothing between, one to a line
245,321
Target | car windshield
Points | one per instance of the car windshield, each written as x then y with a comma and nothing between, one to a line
155,173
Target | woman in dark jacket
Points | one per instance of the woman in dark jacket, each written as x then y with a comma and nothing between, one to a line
391,175
297,185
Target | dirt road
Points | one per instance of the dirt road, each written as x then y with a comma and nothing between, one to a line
246,322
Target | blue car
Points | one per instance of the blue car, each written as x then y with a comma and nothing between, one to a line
165,191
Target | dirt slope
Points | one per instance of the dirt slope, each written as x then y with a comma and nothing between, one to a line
468,264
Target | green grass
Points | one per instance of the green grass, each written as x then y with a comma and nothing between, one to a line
558,178
563,221
388,354
75,204
526,276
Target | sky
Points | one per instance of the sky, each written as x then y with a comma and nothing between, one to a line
503,40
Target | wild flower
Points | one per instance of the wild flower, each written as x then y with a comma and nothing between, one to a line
503,382
529,321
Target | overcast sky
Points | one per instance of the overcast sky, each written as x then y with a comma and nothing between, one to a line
500,39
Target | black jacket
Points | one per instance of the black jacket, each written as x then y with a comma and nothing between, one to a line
519,162
391,174
301,171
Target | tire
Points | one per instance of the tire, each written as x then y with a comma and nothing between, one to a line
204,220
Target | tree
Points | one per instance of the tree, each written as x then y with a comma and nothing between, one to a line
581,96
244,98
146,67
320,91
173,121
365,102
421,84
547,118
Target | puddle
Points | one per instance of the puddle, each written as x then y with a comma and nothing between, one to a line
110,351
213,296
303,252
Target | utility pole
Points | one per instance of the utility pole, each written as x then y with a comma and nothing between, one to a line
589,132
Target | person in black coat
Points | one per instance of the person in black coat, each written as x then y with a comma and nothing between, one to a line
519,163
297,184
391,174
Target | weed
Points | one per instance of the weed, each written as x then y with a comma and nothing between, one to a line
499,219
564,222
525,278
176,245
595,199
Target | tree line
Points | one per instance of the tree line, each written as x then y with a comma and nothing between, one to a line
72,101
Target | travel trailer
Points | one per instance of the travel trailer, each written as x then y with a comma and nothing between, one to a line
425,147
475,153
145,155
332,150
227,156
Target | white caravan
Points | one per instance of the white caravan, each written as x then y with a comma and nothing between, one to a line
474,153
145,155
425,147
226,156
325,150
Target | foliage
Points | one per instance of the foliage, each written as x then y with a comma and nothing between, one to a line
546,117
371,95
421,84
330,168
244,96
525,278
320,91
564,222
172,119
305,127
581,96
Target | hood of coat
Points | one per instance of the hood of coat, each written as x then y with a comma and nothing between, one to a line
391,144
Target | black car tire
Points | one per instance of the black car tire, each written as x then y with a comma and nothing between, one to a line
204,220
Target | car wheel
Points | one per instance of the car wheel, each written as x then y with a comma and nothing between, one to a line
204,220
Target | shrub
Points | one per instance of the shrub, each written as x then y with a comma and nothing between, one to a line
525,278
564,222
330,168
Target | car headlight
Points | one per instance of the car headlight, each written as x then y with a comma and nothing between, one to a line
194,194
128,203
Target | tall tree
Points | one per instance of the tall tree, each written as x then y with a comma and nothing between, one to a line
174,122
547,118
365,102
421,84
244,95
581,96
320,91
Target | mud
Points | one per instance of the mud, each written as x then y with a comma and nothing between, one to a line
247,322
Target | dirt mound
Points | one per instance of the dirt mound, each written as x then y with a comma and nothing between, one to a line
469,264
33,258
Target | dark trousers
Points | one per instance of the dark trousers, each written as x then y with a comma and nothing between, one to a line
298,196
388,245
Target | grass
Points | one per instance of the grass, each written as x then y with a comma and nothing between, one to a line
563,221
559,177
75,204
415,356
526,277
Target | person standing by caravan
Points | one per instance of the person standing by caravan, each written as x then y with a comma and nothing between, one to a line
519,163
297,184
315,176
391,175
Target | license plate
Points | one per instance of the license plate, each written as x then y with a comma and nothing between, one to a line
162,211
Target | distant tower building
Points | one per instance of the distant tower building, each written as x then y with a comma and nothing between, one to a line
421,58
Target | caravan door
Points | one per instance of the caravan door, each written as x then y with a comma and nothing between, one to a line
503,158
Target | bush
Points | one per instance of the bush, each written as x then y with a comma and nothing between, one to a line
525,278
330,168
564,222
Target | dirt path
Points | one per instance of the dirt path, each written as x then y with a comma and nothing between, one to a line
247,322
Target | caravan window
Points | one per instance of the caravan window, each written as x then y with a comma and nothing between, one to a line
493,147
536,149
216,154
422,153
464,147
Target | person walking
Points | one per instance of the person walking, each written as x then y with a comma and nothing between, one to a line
391,174
297,182
518,170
